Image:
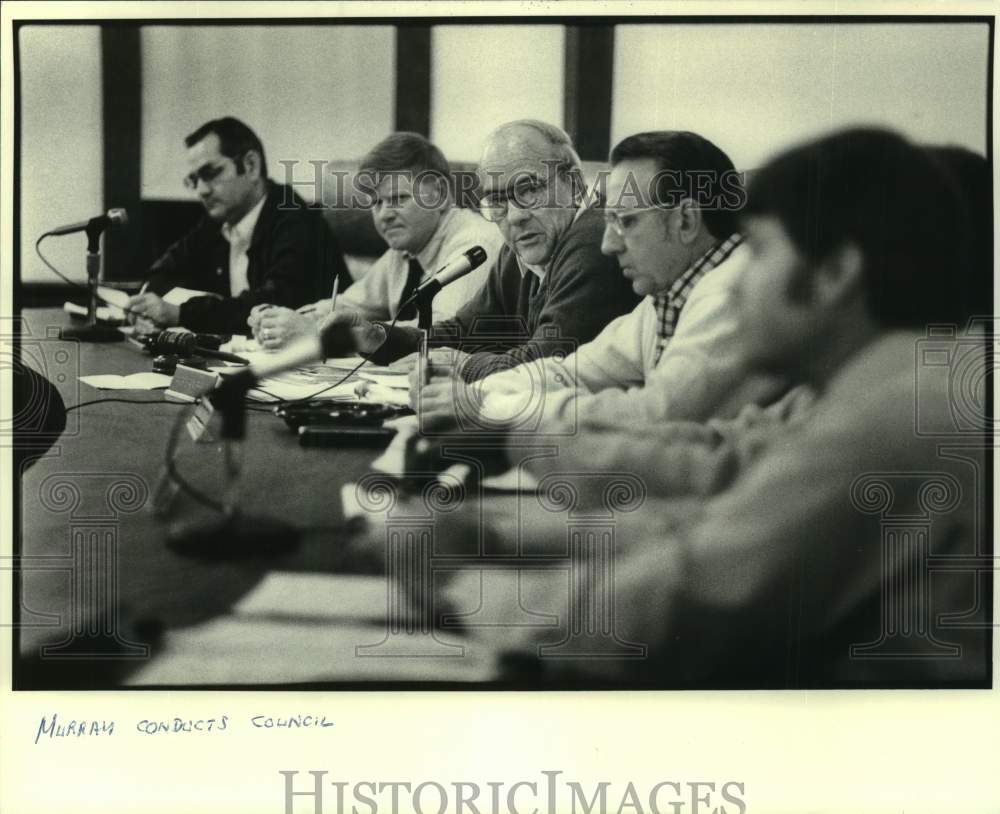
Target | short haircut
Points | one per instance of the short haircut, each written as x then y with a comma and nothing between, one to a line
235,139
560,146
692,167
405,151
890,198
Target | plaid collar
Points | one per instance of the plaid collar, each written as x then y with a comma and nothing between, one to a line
670,304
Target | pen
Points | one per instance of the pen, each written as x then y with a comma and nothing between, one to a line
333,296
423,361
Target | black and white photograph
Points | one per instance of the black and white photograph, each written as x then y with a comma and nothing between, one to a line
498,407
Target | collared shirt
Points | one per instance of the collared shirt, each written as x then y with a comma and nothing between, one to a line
670,304
238,237
377,294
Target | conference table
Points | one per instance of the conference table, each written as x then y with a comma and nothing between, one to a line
106,602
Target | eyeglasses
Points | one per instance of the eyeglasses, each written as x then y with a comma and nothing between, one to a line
528,195
621,220
208,173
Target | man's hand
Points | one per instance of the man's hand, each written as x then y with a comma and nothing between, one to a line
253,321
276,326
152,307
444,363
320,309
367,337
437,405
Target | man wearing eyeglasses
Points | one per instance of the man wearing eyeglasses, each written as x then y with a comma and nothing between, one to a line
258,242
670,220
551,284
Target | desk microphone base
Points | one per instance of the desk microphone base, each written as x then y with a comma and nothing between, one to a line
234,537
92,333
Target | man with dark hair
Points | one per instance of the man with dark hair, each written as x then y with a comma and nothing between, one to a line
670,220
550,285
844,551
259,242
415,213
971,172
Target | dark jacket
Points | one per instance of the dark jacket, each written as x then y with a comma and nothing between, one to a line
513,318
293,260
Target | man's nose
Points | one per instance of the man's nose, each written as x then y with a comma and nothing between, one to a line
516,214
611,243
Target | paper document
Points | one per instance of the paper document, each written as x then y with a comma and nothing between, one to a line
179,296
105,313
113,296
369,391
392,380
293,385
241,345
137,381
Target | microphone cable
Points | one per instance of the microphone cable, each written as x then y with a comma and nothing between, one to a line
53,269
341,380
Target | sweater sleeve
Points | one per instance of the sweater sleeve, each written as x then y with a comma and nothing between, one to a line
584,291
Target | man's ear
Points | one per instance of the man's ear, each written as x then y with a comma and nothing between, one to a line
840,277
690,221
251,164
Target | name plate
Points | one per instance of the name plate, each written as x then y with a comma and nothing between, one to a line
189,384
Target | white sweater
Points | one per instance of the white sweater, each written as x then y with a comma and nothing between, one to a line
613,379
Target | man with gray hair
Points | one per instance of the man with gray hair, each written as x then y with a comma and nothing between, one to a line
551,283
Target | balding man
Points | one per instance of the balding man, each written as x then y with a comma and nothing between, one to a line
551,283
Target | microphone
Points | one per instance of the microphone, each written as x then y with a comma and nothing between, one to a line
210,341
185,344
448,273
100,223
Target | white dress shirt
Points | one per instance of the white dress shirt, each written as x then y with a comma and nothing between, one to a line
238,237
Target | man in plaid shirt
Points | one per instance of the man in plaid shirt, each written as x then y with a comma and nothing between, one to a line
672,202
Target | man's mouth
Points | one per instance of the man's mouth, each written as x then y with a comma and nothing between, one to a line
528,239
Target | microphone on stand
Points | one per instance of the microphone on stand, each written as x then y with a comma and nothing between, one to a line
236,535
448,273
91,331
113,217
